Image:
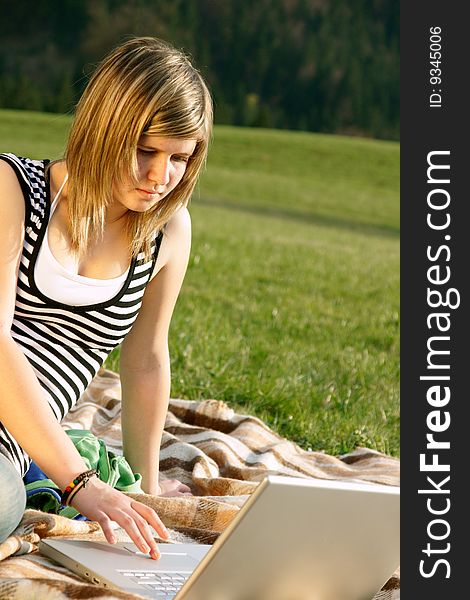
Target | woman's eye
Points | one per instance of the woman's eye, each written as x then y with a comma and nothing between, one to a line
145,151
181,158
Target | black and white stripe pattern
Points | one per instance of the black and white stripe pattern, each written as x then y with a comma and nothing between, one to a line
65,345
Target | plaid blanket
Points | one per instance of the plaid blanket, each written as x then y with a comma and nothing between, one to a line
222,455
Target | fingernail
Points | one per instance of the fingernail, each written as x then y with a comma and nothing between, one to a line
155,554
112,540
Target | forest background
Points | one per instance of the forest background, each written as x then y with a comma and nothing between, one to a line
290,306
314,65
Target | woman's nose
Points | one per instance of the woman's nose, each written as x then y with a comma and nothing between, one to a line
159,170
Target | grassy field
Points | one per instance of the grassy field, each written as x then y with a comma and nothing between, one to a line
290,307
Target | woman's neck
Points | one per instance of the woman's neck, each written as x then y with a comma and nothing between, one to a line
115,212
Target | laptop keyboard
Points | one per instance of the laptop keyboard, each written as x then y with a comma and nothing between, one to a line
162,584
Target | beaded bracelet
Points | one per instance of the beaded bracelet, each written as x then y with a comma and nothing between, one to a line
79,482
75,490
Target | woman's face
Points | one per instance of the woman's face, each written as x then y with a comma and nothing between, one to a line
162,162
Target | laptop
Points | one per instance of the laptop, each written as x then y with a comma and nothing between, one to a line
293,539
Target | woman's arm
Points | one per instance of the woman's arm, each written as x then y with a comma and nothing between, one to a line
24,409
145,362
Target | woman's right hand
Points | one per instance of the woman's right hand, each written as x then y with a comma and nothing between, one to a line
100,502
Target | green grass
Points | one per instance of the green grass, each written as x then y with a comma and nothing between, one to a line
290,307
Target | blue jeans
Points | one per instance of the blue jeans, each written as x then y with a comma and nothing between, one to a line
12,498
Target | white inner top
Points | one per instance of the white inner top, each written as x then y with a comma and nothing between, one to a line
56,282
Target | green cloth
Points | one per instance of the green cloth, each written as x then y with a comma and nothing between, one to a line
112,468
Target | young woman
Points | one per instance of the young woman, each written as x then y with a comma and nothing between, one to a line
94,250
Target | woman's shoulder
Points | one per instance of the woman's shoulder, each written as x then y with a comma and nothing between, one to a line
29,172
176,233
179,224
10,164
23,180
12,207
11,173
23,162
176,240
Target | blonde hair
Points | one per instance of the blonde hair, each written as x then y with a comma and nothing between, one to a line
142,87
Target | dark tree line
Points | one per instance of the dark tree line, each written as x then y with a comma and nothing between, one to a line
318,65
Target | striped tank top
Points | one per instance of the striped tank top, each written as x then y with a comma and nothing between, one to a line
65,344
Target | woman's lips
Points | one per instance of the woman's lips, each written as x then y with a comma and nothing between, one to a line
147,192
